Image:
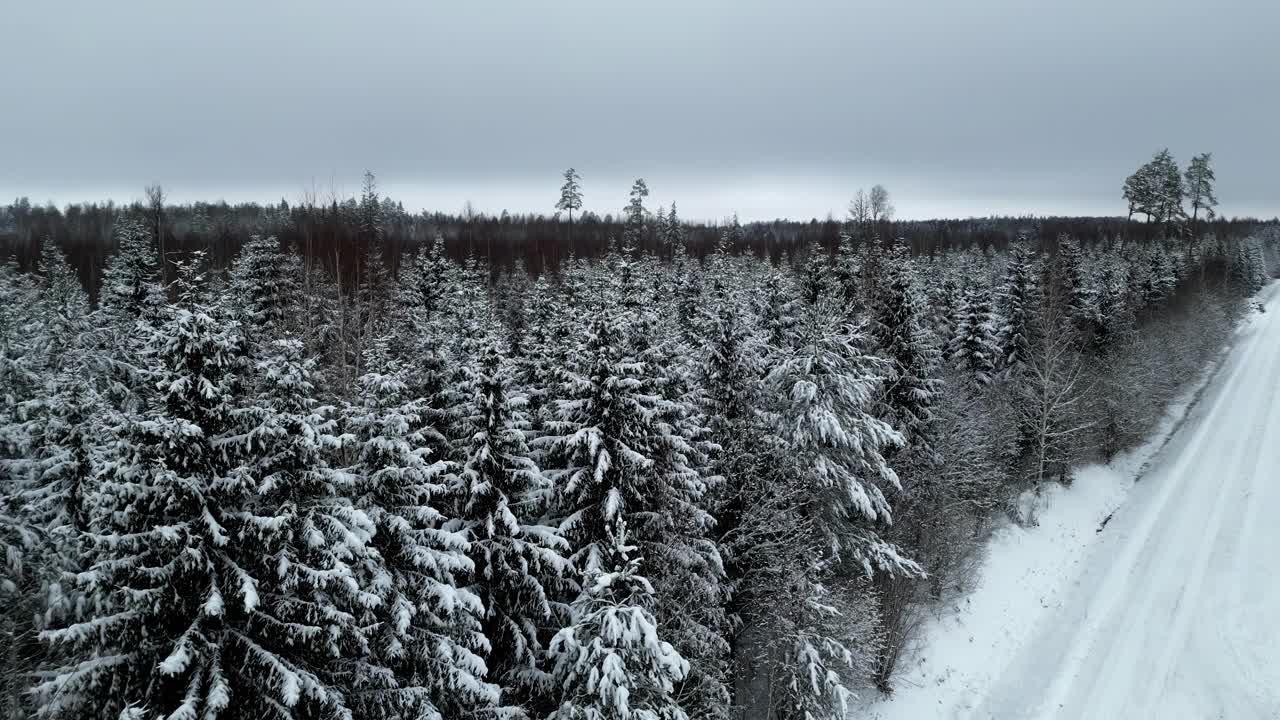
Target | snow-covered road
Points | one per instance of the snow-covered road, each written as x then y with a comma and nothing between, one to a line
1175,612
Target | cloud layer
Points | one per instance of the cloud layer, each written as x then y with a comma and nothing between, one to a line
767,108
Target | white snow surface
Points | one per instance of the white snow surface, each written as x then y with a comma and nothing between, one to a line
1171,610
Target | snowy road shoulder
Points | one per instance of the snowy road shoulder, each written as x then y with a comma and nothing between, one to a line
966,648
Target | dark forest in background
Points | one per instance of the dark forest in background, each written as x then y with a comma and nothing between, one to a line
329,233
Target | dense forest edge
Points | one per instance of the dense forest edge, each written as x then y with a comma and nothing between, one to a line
336,460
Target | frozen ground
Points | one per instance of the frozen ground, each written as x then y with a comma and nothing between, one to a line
1170,610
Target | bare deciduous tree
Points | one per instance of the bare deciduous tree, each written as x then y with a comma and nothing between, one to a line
1049,395
155,208
881,207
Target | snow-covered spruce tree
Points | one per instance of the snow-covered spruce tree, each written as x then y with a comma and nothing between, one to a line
871,258
909,400
826,388
1158,280
177,621
776,308
1073,282
300,537
18,541
22,545
131,303
472,320
519,565
65,436
130,284
689,301
64,328
1110,317
814,282
758,519
425,297
902,335
373,315
1253,262
432,293
974,346
427,627
546,344
677,539
611,662
62,413
848,274
19,374
604,444
263,295
371,305
675,239
1015,300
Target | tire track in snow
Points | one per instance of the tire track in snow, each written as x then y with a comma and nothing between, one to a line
1245,456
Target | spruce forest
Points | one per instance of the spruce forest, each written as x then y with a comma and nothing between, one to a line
337,460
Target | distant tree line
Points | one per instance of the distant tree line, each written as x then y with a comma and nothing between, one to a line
329,232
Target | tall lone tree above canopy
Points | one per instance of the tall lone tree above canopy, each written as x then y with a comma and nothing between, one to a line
1198,180
370,210
570,196
635,214
881,207
1155,190
155,213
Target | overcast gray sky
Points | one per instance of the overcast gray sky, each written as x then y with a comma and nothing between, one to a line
765,108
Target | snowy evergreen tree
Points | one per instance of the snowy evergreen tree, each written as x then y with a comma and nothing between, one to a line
1110,317
172,626
828,387
902,335
22,543
427,627
263,293
300,538
519,567
61,415
1016,299
1074,285
776,309
675,240
611,662
617,466
676,538
974,346
130,289
848,275
65,444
